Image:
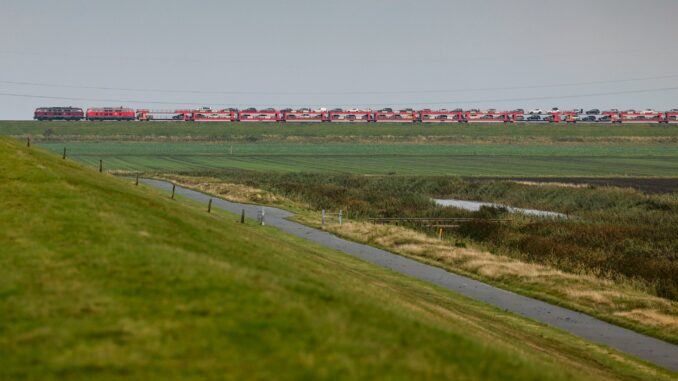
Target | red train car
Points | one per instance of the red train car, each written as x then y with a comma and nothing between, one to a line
214,116
612,116
515,116
647,116
486,117
110,113
146,115
253,115
395,116
350,116
304,116
671,117
441,116
58,113
563,116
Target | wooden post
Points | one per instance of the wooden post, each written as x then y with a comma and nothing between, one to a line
101,165
322,218
242,217
64,156
174,187
137,182
209,206
28,142
440,233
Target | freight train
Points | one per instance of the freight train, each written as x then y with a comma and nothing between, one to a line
385,115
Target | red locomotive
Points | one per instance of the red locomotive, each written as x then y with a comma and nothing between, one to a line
110,113
58,113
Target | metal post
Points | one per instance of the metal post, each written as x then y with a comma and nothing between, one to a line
322,219
64,156
174,187
209,206
28,142
101,165
340,216
137,182
263,216
242,217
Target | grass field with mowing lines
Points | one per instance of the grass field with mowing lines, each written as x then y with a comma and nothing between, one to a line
226,131
598,160
541,150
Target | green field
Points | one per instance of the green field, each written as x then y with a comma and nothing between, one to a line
103,280
520,150
235,131
406,159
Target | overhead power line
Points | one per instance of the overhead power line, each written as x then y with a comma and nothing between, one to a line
440,102
221,92
147,56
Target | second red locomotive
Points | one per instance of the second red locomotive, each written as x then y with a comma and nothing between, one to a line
111,113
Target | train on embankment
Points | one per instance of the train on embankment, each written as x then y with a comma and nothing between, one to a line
337,115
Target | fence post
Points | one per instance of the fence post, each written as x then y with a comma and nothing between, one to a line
322,219
242,217
340,216
263,216
101,165
28,142
174,187
137,182
64,156
209,206
440,234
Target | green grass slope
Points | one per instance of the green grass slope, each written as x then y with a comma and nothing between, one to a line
102,280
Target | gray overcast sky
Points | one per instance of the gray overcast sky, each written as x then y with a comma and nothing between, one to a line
338,53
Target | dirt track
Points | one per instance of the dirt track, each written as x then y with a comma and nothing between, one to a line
644,347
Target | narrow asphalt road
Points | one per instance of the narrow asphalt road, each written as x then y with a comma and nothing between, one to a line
644,347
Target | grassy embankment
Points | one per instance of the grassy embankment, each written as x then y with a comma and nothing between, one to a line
614,259
103,280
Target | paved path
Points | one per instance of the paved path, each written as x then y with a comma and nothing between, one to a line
647,348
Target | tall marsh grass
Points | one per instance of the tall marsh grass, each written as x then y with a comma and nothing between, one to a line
614,232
